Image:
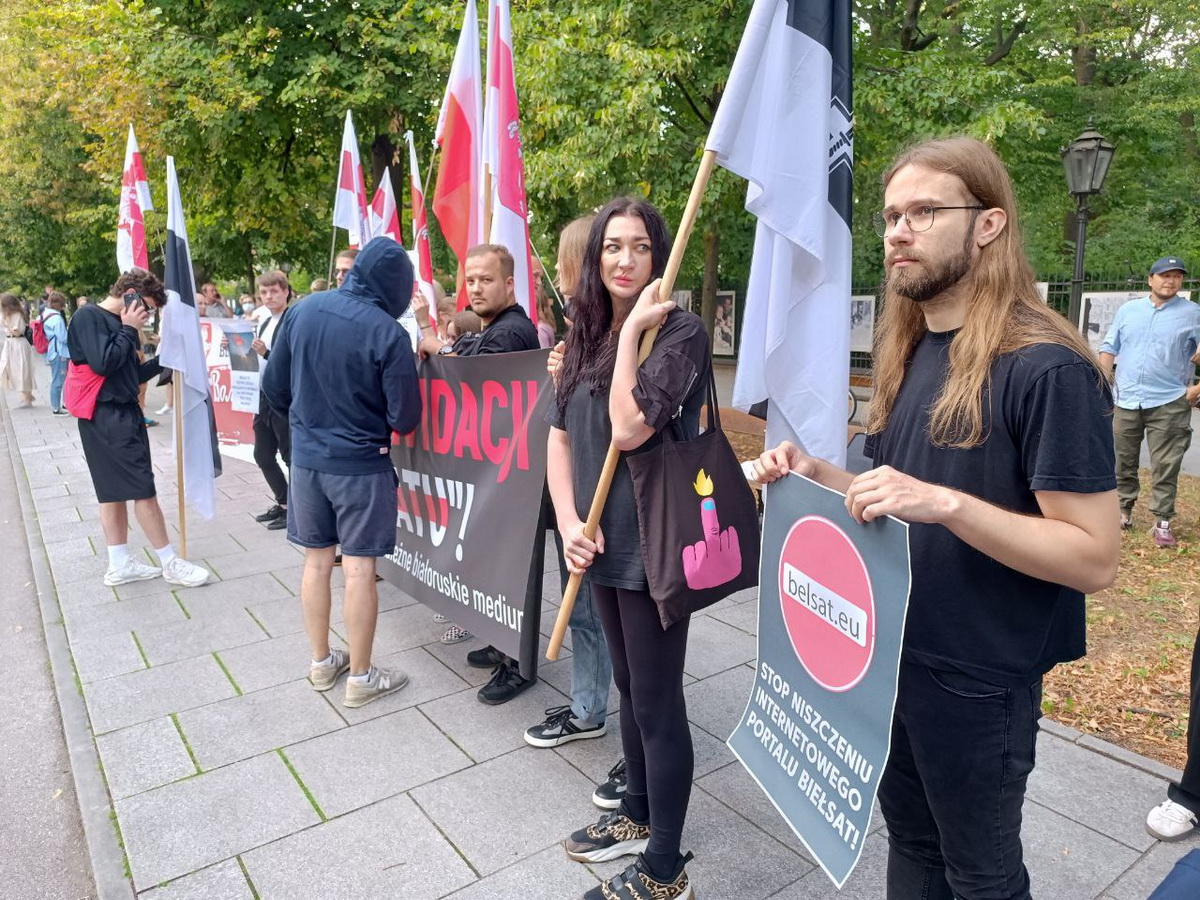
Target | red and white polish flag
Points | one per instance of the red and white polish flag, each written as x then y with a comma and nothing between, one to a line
135,200
350,209
458,194
503,157
385,218
420,226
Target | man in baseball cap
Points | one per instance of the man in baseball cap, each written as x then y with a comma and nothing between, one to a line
1156,339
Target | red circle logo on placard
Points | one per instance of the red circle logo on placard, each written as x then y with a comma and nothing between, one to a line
828,607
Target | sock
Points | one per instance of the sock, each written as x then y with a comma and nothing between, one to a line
365,676
327,661
165,554
637,807
661,865
118,555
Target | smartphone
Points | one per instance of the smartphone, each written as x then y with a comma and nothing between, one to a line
132,297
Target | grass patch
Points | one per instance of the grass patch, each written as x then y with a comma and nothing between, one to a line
258,623
220,662
178,600
249,880
312,801
140,649
186,744
112,818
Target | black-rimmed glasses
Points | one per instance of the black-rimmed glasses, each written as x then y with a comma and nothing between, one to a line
919,217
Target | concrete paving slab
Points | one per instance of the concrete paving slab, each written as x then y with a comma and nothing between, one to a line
50,519
868,882
143,757
428,680
549,798
237,593
716,704
550,873
1140,879
278,617
82,594
123,616
387,851
241,727
1113,800
190,824
454,657
224,881
140,696
354,767
595,756
485,732
714,646
106,656
1067,860
402,629
742,616
271,662
199,637
156,586
234,565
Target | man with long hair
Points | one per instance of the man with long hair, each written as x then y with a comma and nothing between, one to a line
991,432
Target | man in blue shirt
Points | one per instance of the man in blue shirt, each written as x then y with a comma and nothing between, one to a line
1156,338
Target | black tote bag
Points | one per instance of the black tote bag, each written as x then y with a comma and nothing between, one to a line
697,519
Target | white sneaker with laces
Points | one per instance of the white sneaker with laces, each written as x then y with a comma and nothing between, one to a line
166,410
131,570
325,675
379,683
180,571
1170,821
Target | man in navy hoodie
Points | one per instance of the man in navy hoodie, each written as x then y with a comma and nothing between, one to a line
344,370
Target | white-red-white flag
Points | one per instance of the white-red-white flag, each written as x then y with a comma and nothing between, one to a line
350,203
135,200
420,225
385,218
458,194
502,155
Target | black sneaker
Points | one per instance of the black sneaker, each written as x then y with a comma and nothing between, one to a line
615,834
278,524
610,794
506,683
275,512
560,727
486,658
637,881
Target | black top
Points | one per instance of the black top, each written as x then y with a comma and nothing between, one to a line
1047,427
509,332
674,376
97,338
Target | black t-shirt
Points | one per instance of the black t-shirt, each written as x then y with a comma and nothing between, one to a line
674,376
509,332
1047,427
96,337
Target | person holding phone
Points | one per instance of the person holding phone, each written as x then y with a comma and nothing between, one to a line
106,337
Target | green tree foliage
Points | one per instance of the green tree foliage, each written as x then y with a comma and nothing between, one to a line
616,95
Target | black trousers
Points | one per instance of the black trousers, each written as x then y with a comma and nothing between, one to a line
1187,792
647,666
273,437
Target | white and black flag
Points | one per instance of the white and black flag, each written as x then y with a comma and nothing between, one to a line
182,349
785,123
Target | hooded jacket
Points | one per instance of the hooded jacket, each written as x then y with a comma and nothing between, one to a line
343,369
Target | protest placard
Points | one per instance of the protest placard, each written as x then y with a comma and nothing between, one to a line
233,378
833,596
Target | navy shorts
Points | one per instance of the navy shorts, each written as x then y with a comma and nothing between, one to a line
356,511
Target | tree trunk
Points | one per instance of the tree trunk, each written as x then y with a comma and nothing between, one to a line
249,265
1084,57
708,288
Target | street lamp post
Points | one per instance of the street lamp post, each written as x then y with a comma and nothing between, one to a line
1085,161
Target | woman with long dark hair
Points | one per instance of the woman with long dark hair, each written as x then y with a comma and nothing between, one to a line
605,396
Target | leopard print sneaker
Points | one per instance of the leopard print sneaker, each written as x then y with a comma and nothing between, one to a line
636,883
615,834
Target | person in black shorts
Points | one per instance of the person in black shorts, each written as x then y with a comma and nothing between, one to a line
342,368
603,396
106,337
991,433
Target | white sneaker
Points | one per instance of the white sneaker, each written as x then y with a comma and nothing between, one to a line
132,570
165,411
180,571
1170,821
325,675
380,683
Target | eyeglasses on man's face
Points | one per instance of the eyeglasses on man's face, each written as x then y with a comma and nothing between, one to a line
919,217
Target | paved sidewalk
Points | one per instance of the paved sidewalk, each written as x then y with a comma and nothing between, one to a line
232,779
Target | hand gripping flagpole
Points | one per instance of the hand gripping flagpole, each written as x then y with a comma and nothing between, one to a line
614,455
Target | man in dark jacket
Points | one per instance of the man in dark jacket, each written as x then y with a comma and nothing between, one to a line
344,371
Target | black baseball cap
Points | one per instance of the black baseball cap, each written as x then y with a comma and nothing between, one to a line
1168,264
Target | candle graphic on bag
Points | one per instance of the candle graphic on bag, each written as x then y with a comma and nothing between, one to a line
718,557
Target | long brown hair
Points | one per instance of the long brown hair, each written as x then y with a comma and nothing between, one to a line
1004,311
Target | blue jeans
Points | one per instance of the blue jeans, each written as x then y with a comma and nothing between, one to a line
58,375
591,666
961,753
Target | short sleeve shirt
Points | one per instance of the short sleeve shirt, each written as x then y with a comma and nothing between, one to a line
1048,427
670,386
509,332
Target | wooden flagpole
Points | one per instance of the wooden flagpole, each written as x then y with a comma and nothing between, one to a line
177,402
614,455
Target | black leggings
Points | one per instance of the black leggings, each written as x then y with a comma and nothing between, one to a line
647,665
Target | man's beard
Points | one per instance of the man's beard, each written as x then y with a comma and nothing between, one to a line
931,282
